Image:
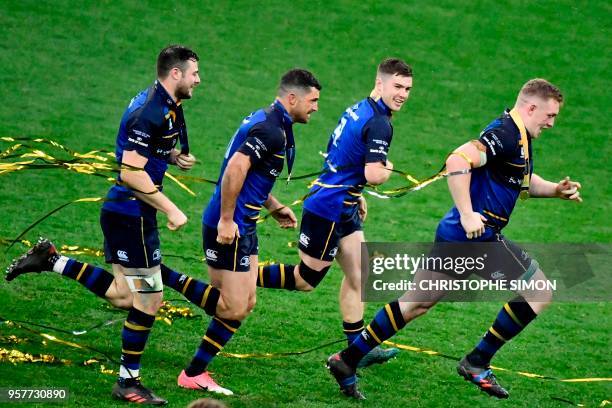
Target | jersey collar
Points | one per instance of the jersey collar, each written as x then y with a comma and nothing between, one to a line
381,106
163,93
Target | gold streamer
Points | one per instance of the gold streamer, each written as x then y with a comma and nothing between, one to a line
15,356
522,373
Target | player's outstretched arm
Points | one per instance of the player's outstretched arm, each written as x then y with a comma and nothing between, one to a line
565,189
145,190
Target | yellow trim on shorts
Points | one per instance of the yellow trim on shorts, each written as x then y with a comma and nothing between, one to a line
261,282
144,248
235,254
328,237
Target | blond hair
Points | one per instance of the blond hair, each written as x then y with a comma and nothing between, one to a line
541,88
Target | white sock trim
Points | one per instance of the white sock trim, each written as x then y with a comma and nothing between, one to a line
127,373
60,264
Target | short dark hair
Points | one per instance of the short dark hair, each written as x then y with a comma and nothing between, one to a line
394,66
297,78
174,56
541,88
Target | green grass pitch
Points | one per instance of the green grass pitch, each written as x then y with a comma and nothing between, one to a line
68,70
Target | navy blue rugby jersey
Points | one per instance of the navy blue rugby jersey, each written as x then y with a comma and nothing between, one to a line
363,135
151,125
263,137
494,187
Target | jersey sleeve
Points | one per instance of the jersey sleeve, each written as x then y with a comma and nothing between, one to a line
140,133
500,144
262,142
377,137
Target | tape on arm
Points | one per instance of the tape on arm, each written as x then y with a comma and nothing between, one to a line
482,150
465,157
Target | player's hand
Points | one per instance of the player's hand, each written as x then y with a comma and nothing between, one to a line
285,217
227,231
176,219
473,224
568,190
363,208
183,161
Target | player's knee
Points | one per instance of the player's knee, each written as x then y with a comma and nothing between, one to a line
124,302
234,309
545,297
420,309
236,314
310,276
301,284
251,304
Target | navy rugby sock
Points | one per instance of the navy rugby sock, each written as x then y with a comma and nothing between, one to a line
96,279
277,276
197,292
511,320
219,332
386,323
352,330
134,336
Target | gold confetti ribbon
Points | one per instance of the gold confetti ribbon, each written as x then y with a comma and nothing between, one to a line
15,356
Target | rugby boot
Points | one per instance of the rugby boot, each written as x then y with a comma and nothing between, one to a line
133,391
202,382
345,376
38,258
377,355
482,377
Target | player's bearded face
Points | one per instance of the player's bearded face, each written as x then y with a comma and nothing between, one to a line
305,105
190,78
394,90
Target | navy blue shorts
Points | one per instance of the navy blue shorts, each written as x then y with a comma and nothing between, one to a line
496,258
234,257
319,237
132,242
